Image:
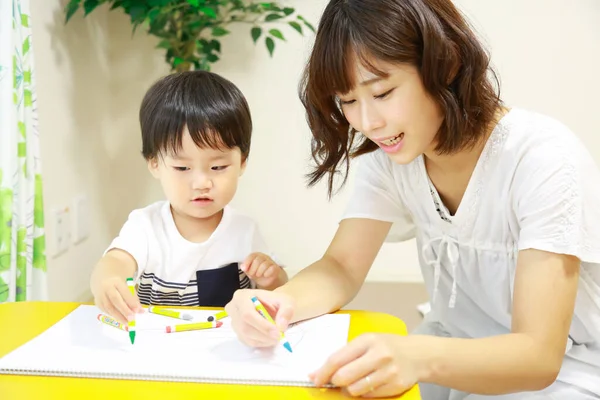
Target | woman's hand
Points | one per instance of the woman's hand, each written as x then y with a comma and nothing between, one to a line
372,365
250,327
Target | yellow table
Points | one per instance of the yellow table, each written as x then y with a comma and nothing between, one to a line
21,322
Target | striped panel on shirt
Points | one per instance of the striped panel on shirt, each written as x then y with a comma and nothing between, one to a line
155,291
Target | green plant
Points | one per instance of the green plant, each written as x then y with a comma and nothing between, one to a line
189,30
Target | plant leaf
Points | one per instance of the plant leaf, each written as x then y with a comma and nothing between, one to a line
254,8
309,25
270,6
215,45
194,3
116,4
296,26
177,61
138,14
219,31
277,33
203,45
71,8
151,3
157,25
256,32
273,17
209,12
164,44
270,45
212,57
152,14
288,11
89,5
236,5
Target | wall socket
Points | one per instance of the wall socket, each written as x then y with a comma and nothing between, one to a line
62,230
71,224
81,219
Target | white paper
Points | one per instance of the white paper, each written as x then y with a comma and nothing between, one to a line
81,345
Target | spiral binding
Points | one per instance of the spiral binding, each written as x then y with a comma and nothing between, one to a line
157,377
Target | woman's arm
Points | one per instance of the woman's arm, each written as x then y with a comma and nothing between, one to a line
334,280
530,357
527,359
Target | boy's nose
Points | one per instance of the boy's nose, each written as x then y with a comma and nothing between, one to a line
202,182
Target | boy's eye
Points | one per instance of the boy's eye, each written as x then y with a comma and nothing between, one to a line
181,168
384,95
219,167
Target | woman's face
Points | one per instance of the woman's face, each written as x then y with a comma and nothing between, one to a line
394,111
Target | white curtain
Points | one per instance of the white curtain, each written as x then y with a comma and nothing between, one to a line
22,239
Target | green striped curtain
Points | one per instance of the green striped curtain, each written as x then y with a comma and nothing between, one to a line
22,239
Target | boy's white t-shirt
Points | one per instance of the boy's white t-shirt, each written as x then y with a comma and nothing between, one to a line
175,271
535,186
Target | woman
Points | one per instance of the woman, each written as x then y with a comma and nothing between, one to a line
502,202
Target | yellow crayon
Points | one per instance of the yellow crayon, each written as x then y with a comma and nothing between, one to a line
169,313
193,327
217,316
263,311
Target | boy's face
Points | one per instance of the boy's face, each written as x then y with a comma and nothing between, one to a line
198,182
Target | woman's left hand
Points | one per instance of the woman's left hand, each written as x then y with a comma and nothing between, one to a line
372,365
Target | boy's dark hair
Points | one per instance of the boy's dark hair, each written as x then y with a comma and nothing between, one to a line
214,110
429,34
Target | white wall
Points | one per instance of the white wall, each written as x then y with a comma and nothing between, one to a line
91,76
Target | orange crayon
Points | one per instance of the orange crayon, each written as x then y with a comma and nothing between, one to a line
105,319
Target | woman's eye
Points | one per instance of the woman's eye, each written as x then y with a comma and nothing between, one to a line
384,95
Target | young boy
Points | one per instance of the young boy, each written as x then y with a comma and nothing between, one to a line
192,249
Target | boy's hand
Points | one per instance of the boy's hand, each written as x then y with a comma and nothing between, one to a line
262,269
109,287
112,296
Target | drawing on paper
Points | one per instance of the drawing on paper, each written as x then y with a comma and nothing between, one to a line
235,351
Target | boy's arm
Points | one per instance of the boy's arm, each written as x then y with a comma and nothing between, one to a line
108,285
115,263
127,254
266,272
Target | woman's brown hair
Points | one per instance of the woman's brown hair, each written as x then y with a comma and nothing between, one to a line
429,34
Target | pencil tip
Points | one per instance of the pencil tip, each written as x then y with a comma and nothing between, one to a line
288,347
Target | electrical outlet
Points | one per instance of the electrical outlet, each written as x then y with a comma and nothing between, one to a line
61,231
81,218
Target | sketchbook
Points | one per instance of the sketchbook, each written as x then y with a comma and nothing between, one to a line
80,345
